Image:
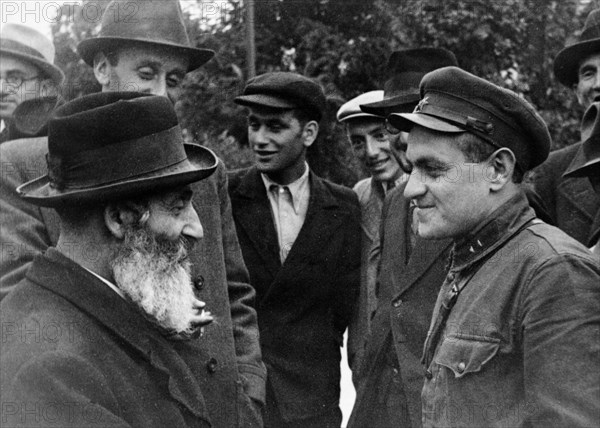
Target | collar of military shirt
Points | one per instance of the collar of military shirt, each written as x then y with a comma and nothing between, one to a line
504,223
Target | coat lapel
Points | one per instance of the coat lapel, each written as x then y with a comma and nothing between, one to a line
579,191
69,280
256,218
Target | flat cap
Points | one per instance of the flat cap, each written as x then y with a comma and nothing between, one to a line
453,100
283,90
351,109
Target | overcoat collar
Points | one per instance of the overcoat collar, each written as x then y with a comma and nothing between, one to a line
578,190
64,277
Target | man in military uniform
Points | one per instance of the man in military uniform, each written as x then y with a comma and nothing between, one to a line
510,343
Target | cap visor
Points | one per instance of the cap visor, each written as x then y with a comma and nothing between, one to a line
397,104
405,121
264,100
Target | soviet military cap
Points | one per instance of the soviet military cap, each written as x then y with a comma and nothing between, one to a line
453,101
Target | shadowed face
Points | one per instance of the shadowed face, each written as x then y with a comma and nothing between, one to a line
371,144
451,194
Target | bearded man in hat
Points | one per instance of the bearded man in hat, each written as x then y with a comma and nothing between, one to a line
151,55
510,342
27,71
101,326
300,236
400,265
588,165
370,144
571,201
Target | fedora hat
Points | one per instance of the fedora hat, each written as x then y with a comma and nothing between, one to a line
405,70
587,158
566,63
29,45
113,145
157,22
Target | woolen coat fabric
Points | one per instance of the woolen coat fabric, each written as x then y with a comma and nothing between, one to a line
408,285
77,354
230,367
571,202
304,305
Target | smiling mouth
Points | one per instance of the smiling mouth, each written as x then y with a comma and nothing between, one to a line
377,164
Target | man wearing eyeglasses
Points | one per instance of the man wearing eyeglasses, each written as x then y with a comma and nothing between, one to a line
26,71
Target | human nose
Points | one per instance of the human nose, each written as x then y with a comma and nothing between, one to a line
372,147
415,188
193,228
258,137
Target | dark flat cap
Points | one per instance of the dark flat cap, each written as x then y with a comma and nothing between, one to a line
283,90
566,63
453,100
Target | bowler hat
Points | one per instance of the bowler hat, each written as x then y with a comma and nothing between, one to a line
587,158
157,22
453,101
405,70
284,90
351,109
114,145
566,63
29,45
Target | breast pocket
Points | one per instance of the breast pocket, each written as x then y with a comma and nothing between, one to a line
464,355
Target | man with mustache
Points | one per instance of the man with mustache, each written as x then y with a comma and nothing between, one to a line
152,54
27,71
571,201
300,236
510,341
116,291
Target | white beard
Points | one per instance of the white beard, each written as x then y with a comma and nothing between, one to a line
155,274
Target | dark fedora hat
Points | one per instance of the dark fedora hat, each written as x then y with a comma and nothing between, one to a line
114,145
455,101
31,46
158,22
587,158
405,70
566,63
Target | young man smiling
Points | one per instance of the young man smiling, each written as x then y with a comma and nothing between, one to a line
300,237
509,342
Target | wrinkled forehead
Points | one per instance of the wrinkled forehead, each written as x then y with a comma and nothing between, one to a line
592,60
426,143
364,125
12,64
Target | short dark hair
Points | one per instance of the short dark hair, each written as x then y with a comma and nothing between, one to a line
478,150
305,115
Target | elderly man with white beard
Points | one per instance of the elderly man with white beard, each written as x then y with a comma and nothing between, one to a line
113,303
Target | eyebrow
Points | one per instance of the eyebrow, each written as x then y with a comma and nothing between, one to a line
587,67
269,121
430,163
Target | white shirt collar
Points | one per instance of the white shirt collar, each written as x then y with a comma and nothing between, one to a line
297,187
110,284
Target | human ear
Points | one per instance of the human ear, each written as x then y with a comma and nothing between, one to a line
119,216
500,168
102,69
310,132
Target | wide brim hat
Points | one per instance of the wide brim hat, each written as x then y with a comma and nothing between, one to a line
155,22
566,63
31,46
587,158
111,146
405,69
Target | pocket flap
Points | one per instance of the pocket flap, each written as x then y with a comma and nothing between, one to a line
465,355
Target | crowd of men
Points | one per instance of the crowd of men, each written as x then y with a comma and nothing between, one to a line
143,284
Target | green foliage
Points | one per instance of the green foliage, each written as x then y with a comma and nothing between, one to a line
345,45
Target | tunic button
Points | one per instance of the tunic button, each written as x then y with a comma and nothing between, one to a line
199,282
397,303
211,366
461,367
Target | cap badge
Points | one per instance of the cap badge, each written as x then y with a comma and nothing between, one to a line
421,104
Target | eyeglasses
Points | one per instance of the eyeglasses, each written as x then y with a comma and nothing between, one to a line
16,81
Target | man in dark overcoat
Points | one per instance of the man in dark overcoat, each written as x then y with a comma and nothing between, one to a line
300,236
571,201
101,329
152,54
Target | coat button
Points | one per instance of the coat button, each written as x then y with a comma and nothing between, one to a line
211,366
461,367
199,282
397,303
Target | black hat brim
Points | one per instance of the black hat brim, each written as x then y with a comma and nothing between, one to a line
202,163
88,49
566,63
399,102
